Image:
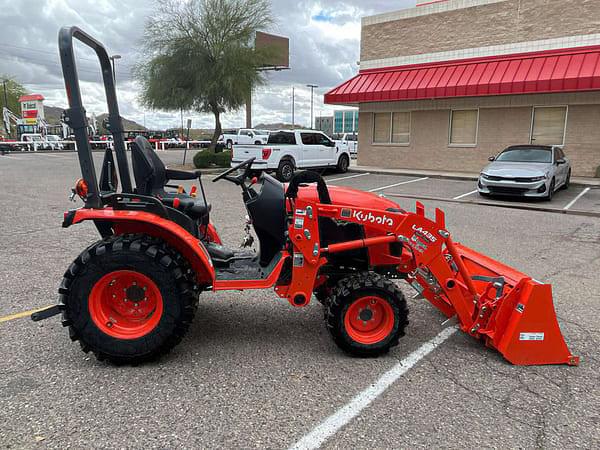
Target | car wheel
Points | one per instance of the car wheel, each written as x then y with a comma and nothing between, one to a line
285,171
343,163
567,181
229,145
257,143
551,190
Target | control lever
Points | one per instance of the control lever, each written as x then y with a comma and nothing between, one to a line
248,238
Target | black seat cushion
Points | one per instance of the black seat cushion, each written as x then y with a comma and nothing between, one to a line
150,176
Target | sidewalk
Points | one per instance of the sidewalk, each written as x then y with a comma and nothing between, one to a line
583,181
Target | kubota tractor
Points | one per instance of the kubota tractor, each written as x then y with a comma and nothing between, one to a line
132,295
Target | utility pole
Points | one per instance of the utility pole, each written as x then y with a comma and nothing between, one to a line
5,93
312,88
113,58
293,103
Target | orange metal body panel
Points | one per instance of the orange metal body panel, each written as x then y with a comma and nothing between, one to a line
153,225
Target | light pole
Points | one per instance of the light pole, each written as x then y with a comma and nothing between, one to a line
312,88
293,107
113,58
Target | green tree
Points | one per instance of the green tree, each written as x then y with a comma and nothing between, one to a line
201,56
14,90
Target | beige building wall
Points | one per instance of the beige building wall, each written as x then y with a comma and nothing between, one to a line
503,121
513,21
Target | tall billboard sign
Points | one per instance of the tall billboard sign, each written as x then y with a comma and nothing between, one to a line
32,109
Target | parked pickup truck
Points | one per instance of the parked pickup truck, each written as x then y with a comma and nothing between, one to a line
347,141
287,151
245,136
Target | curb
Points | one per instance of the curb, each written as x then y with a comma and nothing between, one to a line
448,176
573,212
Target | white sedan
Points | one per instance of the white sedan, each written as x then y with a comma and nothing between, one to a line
526,171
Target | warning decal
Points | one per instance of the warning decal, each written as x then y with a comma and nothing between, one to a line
531,336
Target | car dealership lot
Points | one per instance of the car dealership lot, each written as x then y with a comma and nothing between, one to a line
254,372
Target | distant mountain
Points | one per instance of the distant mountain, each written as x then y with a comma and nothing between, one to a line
277,126
53,114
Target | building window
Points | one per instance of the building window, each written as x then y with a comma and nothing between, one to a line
401,127
391,128
548,125
381,128
463,127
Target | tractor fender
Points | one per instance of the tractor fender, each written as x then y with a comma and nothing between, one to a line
123,222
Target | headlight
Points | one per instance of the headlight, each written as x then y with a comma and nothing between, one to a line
539,178
485,176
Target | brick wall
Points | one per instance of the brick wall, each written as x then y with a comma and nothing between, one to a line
498,127
499,23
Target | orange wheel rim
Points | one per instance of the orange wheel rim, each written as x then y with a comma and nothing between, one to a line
369,320
125,304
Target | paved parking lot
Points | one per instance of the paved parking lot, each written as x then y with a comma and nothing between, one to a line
253,372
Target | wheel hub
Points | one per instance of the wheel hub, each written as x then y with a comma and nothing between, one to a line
369,320
125,304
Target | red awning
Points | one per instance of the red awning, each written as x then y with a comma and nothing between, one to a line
31,97
566,70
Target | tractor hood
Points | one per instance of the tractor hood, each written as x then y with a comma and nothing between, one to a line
341,195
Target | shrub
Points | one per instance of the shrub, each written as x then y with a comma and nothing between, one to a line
222,159
203,159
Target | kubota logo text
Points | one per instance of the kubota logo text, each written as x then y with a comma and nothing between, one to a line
372,218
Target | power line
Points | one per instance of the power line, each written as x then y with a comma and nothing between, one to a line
2,44
48,63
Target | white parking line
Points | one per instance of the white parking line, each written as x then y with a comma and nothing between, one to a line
10,157
348,177
572,202
344,415
465,195
397,184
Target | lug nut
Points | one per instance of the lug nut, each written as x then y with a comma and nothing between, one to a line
109,324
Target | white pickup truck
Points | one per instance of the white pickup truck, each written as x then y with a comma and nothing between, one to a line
288,150
245,136
347,141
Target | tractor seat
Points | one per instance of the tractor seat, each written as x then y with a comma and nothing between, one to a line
151,176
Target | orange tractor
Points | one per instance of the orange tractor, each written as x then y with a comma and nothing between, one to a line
131,296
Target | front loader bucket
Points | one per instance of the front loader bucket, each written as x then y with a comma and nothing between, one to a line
514,313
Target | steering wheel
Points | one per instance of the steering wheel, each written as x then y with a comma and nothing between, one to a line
239,180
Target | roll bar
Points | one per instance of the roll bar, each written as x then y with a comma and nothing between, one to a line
76,118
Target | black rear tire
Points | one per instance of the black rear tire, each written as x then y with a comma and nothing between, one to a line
229,144
285,171
343,163
353,289
151,258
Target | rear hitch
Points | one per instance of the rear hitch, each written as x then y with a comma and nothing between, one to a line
45,313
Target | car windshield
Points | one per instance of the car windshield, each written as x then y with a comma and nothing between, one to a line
530,155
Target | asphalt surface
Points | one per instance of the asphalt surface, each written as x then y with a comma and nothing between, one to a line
254,372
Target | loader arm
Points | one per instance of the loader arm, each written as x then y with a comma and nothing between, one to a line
505,308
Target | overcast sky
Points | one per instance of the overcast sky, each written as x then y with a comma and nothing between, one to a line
324,47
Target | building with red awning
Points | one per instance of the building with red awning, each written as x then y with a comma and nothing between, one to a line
445,85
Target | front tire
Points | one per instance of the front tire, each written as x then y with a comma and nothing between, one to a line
366,315
567,181
229,144
128,299
343,163
551,190
285,171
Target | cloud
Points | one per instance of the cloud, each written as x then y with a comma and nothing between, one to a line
324,47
